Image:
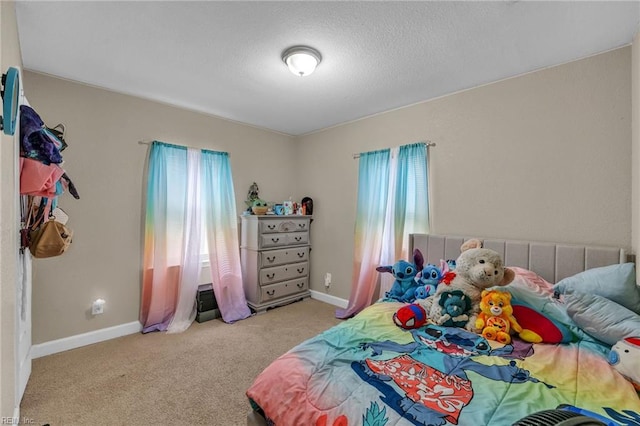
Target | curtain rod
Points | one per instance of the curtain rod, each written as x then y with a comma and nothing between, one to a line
427,143
143,142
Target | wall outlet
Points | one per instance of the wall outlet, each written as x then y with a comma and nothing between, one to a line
327,279
97,307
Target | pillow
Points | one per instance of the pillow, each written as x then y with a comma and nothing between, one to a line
529,280
614,282
601,318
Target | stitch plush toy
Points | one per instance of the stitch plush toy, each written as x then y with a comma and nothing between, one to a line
404,287
476,269
455,306
496,317
428,280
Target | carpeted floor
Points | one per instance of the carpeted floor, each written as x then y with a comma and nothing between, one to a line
198,377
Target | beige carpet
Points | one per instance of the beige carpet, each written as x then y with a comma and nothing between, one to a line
198,377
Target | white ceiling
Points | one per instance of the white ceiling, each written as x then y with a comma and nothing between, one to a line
224,57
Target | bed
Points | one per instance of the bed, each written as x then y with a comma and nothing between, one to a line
368,371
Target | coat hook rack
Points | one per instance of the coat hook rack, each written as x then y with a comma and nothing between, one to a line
10,92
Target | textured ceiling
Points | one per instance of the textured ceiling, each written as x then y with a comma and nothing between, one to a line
224,57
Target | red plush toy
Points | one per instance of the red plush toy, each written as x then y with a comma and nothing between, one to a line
410,316
538,328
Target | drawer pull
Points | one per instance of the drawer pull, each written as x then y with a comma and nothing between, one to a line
298,239
300,255
300,285
271,292
270,276
271,227
302,225
271,259
275,240
300,270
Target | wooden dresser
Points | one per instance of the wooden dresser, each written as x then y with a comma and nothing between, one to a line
274,251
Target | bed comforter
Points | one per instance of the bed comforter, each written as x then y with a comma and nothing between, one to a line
368,371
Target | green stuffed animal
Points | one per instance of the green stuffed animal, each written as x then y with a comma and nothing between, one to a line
455,308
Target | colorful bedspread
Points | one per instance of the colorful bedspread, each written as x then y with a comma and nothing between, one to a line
368,371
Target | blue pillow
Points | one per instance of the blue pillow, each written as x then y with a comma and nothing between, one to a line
601,318
614,282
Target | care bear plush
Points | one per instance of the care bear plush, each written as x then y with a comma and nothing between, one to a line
496,318
477,269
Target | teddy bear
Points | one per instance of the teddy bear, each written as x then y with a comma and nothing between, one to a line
477,269
455,305
404,286
496,318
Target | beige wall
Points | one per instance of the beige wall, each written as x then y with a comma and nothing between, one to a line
106,163
543,156
9,57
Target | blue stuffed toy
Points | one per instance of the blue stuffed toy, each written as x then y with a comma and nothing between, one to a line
428,280
405,285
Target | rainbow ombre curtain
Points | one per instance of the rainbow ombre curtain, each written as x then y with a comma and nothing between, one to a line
189,196
393,202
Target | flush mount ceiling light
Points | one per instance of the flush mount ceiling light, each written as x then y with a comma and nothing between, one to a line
301,60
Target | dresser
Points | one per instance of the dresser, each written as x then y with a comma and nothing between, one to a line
274,251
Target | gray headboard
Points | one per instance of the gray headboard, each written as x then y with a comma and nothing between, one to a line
552,261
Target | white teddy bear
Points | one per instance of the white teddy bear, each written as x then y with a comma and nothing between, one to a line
477,269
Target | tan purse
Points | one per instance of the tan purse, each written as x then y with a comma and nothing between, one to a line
50,239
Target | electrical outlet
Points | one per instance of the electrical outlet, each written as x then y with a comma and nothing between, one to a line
97,307
327,279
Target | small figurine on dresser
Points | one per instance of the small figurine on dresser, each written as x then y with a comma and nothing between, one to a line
252,196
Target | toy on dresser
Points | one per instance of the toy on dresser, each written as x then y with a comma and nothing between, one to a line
477,269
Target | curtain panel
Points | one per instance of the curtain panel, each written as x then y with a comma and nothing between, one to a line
189,197
392,202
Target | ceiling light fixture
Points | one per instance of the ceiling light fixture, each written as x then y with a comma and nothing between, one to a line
301,60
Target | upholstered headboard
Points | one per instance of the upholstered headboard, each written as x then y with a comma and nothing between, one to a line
552,261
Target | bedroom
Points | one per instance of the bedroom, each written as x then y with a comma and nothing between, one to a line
568,134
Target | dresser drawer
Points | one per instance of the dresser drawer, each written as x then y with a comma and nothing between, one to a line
281,240
286,288
284,225
284,272
283,256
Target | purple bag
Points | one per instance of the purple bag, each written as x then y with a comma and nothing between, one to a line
36,140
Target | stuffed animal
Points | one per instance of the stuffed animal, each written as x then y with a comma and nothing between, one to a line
424,291
625,358
476,269
455,306
428,280
404,287
471,244
410,316
538,327
432,275
496,316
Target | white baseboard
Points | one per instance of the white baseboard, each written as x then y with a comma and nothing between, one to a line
327,298
72,342
79,340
